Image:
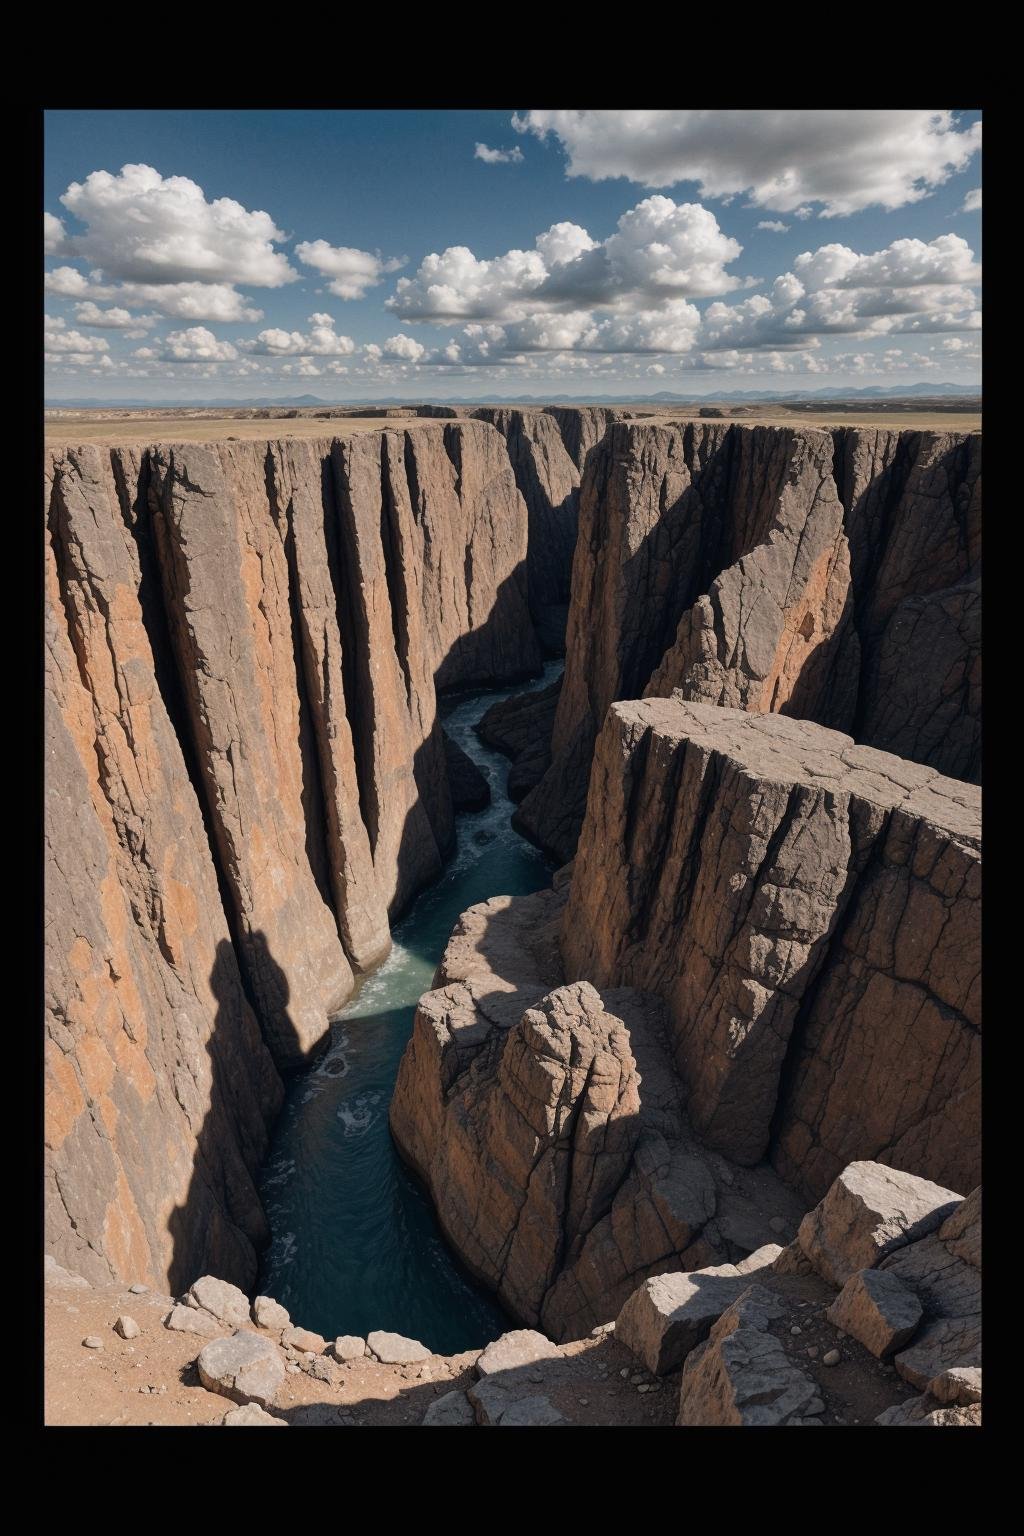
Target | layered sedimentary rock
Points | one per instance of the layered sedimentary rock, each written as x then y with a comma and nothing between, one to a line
829,576
246,640
159,1089
809,911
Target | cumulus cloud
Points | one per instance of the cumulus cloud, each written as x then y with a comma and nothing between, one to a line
972,202
660,250
197,344
53,236
321,341
909,286
63,346
142,227
841,160
114,319
351,271
511,156
774,226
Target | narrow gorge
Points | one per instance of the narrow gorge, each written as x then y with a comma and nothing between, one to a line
429,982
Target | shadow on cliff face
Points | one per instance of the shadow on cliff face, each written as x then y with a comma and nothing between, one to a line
221,1225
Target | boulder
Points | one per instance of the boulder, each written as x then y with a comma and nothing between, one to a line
246,1367
742,1376
269,1313
303,1339
669,1315
348,1346
521,1347
454,1408
221,1300
961,1384
127,1327
192,1320
925,1413
393,1349
251,1414
869,1212
878,1310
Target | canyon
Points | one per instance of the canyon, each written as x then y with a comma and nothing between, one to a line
757,963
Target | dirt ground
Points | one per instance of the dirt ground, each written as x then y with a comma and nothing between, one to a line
156,425
151,1380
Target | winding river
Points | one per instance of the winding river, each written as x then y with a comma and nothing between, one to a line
355,1244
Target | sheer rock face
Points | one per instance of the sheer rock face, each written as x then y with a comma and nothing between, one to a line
799,903
582,428
556,1179
549,481
825,576
913,519
159,1089
226,592
246,778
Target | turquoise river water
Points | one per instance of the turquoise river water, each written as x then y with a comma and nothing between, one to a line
355,1244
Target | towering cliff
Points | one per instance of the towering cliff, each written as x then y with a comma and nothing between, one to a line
785,570
548,450
769,966
246,777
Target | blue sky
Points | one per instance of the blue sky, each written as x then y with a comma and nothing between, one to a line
464,254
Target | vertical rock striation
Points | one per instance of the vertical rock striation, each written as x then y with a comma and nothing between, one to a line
246,777
778,570
809,912
159,1089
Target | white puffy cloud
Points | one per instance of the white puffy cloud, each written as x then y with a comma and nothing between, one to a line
774,226
53,236
660,250
511,156
67,282
351,271
142,227
972,202
903,264
843,160
404,347
321,341
197,344
910,286
62,345
114,319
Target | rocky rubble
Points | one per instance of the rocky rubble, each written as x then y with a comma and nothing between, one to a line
762,1342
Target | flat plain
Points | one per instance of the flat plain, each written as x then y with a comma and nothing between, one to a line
218,424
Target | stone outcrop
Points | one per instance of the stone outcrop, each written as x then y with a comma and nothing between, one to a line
246,780
521,727
808,910
560,1181
830,576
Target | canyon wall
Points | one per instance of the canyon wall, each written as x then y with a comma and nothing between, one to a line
246,779
764,963
828,576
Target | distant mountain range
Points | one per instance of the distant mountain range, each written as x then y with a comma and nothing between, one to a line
663,397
